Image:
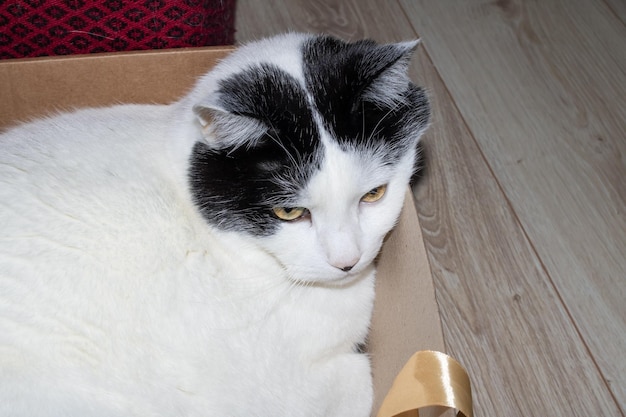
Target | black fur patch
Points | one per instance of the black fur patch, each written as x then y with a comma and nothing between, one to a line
236,187
339,74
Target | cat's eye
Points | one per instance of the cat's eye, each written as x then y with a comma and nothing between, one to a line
290,213
374,194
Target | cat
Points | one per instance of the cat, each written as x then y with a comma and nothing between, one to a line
214,256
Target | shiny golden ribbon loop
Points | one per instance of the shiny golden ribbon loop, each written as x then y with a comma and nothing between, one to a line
428,379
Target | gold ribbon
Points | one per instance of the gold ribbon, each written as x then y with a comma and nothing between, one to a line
428,379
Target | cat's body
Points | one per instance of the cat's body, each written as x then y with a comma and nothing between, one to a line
145,272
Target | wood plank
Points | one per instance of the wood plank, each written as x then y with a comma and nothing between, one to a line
619,8
347,19
542,86
502,317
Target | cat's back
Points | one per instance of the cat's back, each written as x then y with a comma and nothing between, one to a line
81,194
94,221
86,140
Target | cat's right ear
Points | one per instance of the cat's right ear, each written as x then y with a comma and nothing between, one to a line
225,130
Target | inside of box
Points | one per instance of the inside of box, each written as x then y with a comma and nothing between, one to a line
405,319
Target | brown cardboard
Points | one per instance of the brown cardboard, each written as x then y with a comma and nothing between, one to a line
405,319
36,86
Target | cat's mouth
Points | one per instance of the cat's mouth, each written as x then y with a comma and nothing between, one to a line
339,279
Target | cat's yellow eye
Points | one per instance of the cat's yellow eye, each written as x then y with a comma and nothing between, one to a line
374,194
290,213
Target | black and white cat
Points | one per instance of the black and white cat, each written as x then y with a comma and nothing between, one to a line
212,257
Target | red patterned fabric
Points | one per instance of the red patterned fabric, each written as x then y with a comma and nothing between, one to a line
32,28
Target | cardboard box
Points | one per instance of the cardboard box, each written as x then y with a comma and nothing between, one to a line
405,319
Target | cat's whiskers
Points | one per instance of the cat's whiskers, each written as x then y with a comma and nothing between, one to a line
279,290
375,130
246,291
281,145
297,161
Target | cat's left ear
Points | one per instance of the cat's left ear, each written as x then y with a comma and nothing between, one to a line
222,129
386,70
205,116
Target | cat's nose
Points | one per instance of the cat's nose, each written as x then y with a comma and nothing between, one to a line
346,266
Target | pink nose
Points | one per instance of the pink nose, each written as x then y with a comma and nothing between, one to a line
346,266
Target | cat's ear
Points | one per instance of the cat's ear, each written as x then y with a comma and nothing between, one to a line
222,129
385,68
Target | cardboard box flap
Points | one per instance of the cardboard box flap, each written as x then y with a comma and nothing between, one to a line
37,86
406,316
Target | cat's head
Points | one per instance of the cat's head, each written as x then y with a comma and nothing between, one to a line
307,146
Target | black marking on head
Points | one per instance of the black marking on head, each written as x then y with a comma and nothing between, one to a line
364,95
262,143
236,186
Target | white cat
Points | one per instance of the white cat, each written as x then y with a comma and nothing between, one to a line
212,257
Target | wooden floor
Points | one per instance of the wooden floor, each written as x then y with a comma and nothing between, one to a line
523,200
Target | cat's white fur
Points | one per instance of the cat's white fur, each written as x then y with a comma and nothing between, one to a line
344,232
118,299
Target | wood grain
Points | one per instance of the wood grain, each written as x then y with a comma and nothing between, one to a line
542,87
502,317
348,19
528,289
619,8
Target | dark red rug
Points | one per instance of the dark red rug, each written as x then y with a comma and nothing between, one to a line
31,28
